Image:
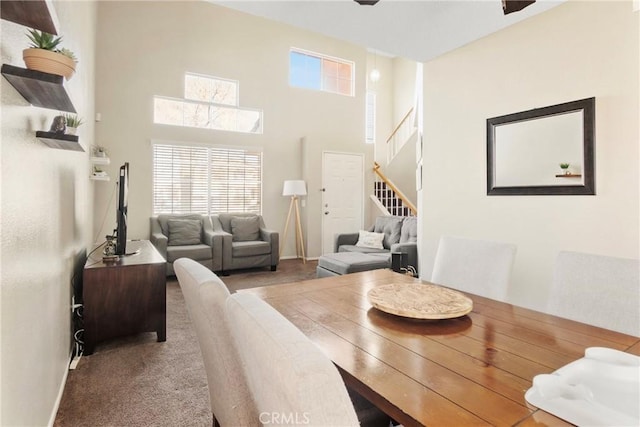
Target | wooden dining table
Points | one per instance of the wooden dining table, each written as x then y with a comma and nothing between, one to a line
471,370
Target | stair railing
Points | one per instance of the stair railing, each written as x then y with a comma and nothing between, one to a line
394,208
400,135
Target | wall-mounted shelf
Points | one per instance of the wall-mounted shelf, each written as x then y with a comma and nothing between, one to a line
60,141
100,160
38,88
37,14
569,175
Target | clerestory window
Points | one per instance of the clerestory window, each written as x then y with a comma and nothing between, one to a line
370,118
315,71
209,103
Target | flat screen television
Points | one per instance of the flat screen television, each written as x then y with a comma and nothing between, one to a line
123,206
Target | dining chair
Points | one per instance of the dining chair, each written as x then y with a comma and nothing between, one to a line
599,290
476,266
291,380
205,295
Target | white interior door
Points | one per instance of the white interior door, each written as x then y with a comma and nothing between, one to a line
342,197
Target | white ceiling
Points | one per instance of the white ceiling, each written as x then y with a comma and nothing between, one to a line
414,29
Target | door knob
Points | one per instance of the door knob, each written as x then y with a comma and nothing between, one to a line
326,212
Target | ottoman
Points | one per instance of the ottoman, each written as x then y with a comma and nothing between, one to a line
350,262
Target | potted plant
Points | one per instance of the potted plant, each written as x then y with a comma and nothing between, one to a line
44,54
565,168
99,151
98,172
73,123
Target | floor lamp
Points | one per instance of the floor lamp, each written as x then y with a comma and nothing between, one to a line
294,189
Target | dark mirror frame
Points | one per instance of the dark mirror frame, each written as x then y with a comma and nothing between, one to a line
588,106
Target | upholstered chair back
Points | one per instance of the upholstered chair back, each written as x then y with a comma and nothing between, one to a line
599,290
391,226
168,224
205,296
289,377
409,232
226,219
476,266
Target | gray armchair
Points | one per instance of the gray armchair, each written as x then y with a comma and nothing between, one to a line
187,236
247,243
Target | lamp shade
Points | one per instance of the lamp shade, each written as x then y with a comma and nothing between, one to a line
294,188
374,75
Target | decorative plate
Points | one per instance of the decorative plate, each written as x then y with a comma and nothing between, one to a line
600,389
420,301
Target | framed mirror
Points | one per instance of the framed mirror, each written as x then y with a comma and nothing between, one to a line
545,151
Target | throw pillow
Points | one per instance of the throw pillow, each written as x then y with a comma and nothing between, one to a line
369,239
184,232
245,228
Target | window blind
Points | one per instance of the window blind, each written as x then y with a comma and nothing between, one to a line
200,179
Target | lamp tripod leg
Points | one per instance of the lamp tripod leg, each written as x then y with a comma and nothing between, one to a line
299,233
286,226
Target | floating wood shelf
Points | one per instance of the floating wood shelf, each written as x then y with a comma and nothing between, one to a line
37,14
100,160
60,141
38,88
569,175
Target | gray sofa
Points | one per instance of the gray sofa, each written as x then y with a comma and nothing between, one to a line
187,236
247,243
400,235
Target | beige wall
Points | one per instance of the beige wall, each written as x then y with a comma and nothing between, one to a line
395,96
46,223
402,169
383,89
404,85
137,62
577,50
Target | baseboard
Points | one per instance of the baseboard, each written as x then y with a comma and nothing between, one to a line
56,406
297,257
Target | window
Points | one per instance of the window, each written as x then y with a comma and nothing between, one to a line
210,103
319,72
209,89
370,118
206,179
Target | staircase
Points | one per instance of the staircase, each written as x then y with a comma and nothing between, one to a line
389,198
386,196
404,132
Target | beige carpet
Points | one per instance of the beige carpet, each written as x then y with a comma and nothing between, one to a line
136,381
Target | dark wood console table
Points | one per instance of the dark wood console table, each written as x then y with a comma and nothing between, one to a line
124,297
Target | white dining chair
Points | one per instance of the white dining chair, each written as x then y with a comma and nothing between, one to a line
599,290
291,380
205,296
476,266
